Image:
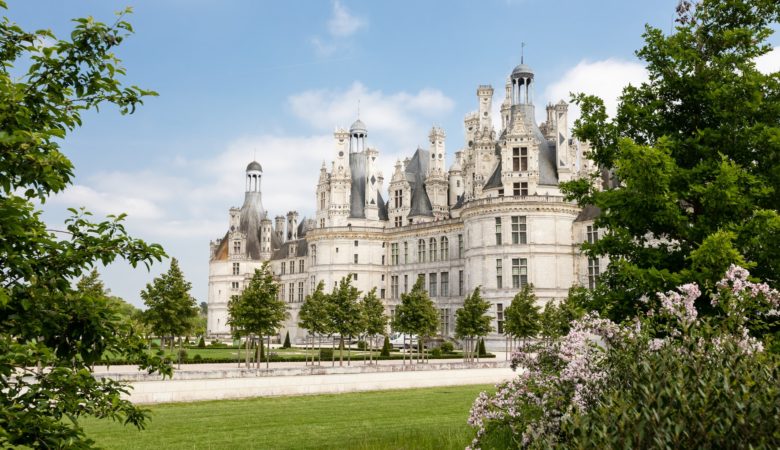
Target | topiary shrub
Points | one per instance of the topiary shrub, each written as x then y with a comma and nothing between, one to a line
447,347
481,350
386,347
201,342
362,345
182,354
197,358
436,353
286,341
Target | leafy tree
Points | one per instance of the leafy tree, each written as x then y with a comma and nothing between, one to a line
344,313
314,316
258,310
204,309
472,321
521,318
170,309
696,153
91,285
374,318
417,315
50,332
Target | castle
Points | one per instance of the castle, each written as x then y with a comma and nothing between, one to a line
495,219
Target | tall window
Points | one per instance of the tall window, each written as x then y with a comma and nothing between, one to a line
399,198
593,272
516,159
284,267
445,248
432,284
519,232
301,266
322,200
394,254
500,318
393,286
291,293
524,189
355,258
398,221
445,284
281,292
313,254
498,231
499,274
524,159
312,284
236,246
520,159
460,283
406,253
236,268
406,284
234,285
519,272
592,234
432,249
300,292
421,250
292,267
460,246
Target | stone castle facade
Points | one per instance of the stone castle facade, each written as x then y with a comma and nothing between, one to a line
495,219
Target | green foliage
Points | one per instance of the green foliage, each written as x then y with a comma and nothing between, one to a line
201,342
386,347
373,313
362,345
447,347
417,314
482,352
522,315
314,315
326,353
197,358
50,332
170,309
695,150
258,310
472,319
286,343
436,353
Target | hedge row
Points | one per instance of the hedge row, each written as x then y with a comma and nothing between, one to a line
276,358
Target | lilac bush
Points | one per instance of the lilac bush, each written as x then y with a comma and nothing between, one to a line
560,381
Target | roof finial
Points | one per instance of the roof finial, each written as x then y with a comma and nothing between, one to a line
358,109
522,52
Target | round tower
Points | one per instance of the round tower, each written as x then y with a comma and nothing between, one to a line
358,134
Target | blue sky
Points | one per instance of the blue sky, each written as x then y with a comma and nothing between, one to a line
239,78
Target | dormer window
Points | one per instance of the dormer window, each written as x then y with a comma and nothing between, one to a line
236,247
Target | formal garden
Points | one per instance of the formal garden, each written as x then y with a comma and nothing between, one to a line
676,347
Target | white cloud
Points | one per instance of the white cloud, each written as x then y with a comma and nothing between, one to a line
342,23
769,62
605,79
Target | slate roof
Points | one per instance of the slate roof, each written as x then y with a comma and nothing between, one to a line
415,175
495,180
250,218
588,213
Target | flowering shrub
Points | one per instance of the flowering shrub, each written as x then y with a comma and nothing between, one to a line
669,379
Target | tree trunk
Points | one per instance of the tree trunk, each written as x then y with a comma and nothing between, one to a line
247,351
332,352
341,350
268,353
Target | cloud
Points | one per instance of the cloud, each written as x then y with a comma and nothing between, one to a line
605,79
769,62
342,23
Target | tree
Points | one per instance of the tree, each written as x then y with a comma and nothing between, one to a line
314,315
258,309
374,318
417,315
696,156
170,309
521,318
91,285
472,321
344,314
286,343
50,333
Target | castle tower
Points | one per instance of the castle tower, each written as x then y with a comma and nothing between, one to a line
485,95
292,225
565,158
456,180
340,180
279,228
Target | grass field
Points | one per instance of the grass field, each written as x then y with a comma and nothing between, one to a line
431,418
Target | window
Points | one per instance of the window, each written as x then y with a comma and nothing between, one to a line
354,276
300,266
322,223
519,235
291,293
406,283
399,198
432,285
460,246
445,284
520,159
445,248
394,254
382,293
284,267
519,272
516,189
501,192
236,268
432,248
399,221
593,273
524,159
499,274
421,250
406,253
498,231
322,200
234,285
281,292
293,249
300,292
312,284
355,258
460,283
524,189
313,254
356,243
500,318
444,321
383,260
236,246
592,234
394,286
516,159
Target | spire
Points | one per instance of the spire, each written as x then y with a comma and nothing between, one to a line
522,52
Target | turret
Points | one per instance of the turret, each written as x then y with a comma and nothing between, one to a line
279,228
485,95
292,225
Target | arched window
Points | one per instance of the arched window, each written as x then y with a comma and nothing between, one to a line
421,250
433,249
445,248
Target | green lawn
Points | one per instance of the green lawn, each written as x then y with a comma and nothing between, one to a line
431,418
